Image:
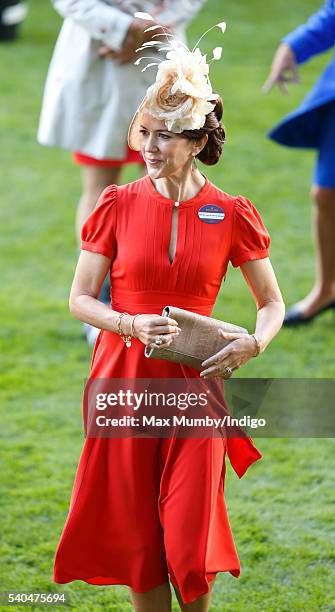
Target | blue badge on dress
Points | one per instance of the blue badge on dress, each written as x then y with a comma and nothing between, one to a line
211,213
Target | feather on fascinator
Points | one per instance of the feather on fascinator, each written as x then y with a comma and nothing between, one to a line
182,94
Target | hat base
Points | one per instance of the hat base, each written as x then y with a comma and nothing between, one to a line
134,141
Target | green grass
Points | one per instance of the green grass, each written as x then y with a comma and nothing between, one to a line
281,512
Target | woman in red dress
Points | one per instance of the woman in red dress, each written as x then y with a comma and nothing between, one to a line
147,511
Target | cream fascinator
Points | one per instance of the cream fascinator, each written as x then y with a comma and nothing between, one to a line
182,94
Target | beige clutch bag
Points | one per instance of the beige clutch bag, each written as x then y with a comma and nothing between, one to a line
198,339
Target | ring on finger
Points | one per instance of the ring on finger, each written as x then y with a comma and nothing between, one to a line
227,370
159,340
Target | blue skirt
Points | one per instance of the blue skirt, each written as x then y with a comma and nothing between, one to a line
324,170
312,126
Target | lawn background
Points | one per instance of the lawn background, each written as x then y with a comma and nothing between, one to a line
281,512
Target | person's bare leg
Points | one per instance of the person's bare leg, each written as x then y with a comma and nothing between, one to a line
199,605
94,180
158,599
323,291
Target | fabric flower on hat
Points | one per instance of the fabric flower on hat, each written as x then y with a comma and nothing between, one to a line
180,96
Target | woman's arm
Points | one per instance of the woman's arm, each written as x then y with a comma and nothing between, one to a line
103,22
178,12
260,277
90,273
263,285
315,36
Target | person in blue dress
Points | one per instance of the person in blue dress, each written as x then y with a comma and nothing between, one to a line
312,126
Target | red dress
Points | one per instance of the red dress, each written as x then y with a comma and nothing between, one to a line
144,510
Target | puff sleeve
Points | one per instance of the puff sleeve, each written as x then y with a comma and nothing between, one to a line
250,238
98,233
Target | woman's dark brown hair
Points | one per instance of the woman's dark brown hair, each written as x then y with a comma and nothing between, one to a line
212,150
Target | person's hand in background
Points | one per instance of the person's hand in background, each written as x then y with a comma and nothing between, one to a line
283,70
134,38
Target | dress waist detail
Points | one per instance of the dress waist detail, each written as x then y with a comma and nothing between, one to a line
153,302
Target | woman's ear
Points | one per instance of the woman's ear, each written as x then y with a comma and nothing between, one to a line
201,144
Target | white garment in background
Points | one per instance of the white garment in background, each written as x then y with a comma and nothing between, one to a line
89,101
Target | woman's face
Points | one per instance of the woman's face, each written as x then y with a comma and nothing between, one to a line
164,152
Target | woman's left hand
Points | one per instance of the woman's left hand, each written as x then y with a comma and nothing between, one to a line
240,349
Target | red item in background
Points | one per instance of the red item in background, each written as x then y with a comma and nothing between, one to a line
133,157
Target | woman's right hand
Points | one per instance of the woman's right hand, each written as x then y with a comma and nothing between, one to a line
148,326
283,70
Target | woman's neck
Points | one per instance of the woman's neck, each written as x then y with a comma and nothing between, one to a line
181,187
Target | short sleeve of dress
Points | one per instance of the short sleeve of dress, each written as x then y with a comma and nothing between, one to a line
98,231
250,239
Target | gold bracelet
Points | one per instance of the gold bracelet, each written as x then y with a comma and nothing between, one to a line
126,339
132,324
258,344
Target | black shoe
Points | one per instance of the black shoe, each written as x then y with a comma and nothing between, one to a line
295,317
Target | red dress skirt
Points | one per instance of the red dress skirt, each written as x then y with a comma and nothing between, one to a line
144,510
